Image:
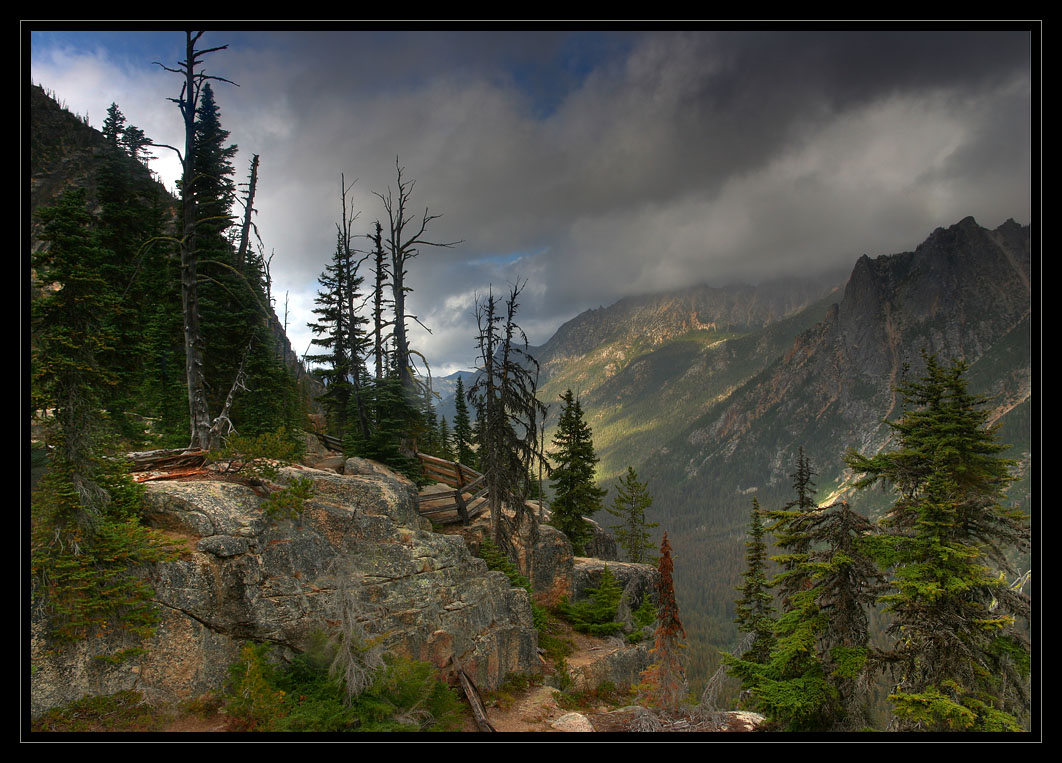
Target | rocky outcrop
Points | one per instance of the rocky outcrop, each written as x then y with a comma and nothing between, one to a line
601,544
621,667
637,580
359,543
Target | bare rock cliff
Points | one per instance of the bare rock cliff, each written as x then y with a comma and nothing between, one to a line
358,544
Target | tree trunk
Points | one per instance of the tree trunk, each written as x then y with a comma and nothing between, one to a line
198,412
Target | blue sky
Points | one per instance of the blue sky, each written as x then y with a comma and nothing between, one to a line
594,165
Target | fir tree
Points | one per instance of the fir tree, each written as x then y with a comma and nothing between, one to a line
815,676
463,428
575,494
664,682
961,662
508,411
632,500
446,448
755,608
792,541
70,336
332,333
113,125
135,143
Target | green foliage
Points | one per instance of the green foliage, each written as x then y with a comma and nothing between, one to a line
606,693
404,696
631,502
575,494
253,698
124,711
463,429
755,608
261,457
960,659
86,578
597,614
288,502
645,615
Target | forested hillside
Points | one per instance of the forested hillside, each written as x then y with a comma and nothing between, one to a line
134,226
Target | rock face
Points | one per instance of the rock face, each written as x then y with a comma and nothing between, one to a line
637,580
601,545
359,543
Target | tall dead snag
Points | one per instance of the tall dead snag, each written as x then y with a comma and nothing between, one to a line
404,238
356,342
378,301
248,209
202,434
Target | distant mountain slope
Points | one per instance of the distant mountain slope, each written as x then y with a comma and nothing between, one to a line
964,293
961,292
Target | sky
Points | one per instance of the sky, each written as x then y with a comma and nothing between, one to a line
590,165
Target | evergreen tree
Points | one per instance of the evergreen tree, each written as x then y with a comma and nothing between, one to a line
135,144
632,500
755,610
575,494
508,409
664,682
463,428
446,448
70,336
815,676
332,333
114,125
961,662
788,537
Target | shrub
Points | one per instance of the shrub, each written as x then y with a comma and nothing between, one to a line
404,695
596,616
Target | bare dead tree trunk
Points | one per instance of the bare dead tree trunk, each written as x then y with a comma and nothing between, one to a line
353,342
404,246
241,253
187,101
379,324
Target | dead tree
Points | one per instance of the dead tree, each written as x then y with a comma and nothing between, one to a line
203,434
404,238
241,252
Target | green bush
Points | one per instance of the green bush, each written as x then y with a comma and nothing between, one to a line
124,711
405,695
597,615
84,576
260,457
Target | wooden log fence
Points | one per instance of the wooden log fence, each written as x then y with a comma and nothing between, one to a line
450,507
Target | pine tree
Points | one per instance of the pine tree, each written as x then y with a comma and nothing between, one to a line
135,143
632,500
960,661
815,676
575,495
332,333
70,336
792,541
755,609
664,682
446,447
508,411
113,125
463,428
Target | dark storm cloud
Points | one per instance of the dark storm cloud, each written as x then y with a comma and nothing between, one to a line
601,165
